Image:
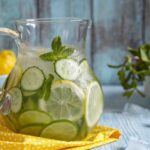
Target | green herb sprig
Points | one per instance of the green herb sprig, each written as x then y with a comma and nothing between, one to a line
134,69
59,51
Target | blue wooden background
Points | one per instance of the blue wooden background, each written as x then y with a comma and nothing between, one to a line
117,24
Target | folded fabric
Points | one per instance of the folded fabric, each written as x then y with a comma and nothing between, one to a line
99,136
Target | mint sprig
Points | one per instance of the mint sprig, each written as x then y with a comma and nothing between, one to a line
134,69
59,51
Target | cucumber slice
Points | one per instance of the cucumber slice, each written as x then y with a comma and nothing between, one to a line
28,93
61,130
32,130
14,77
47,87
16,99
34,117
32,79
67,69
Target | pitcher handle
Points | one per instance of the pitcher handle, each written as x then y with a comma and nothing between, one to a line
5,99
9,32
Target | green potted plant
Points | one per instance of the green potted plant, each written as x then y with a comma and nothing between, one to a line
135,70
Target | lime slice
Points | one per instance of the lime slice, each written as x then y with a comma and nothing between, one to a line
32,130
86,74
61,130
66,101
94,104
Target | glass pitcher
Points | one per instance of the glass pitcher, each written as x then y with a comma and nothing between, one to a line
52,91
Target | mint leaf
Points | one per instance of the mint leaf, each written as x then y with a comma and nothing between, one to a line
68,51
52,56
144,55
133,51
134,69
128,93
59,51
56,43
121,75
47,86
141,93
49,56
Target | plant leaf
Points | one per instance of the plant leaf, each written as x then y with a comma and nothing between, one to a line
59,51
68,51
47,86
56,43
49,56
121,75
133,51
113,66
141,93
128,93
144,56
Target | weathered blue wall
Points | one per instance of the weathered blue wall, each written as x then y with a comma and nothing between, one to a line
117,24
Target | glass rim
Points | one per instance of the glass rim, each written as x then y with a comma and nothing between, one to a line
53,20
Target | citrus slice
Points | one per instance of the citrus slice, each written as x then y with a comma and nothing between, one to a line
86,75
94,104
61,130
7,61
66,101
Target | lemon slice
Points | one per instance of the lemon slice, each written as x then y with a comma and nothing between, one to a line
7,61
66,101
94,104
86,75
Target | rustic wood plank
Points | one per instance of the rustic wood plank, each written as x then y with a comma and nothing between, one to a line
67,8
146,22
11,10
117,25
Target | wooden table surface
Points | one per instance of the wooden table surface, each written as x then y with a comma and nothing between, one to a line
132,125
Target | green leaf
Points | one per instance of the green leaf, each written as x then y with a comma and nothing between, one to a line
134,70
121,75
144,56
134,83
56,43
141,93
49,56
133,51
68,51
47,87
128,93
59,51
113,66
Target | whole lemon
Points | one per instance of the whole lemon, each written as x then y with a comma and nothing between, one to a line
7,61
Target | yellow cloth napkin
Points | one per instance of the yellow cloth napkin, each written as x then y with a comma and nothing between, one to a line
13,141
